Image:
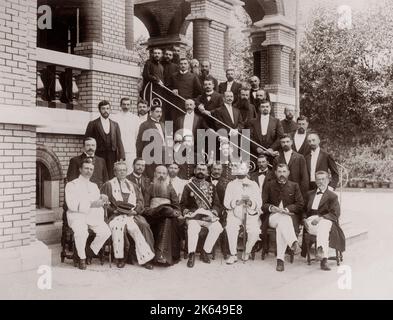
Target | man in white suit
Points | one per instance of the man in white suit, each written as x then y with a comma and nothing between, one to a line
85,211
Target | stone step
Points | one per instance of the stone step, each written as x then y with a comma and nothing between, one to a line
49,233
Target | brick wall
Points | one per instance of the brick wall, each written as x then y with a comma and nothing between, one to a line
17,52
95,86
217,50
17,185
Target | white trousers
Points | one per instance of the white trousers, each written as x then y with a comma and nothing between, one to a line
322,231
193,229
117,225
80,223
285,232
253,229
130,156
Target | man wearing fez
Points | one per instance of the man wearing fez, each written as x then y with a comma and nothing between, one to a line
124,212
282,207
108,137
162,211
201,208
85,211
243,202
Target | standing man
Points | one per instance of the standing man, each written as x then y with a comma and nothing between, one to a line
190,122
169,66
107,134
85,211
296,163
243,203
255,84
137,176
176,54
300,144
282,207
128,123
153,128
230,84
177,183
100,174
205,74
184,83
266,131
246,109
228,115
153,71
320,160
288,124
143,111
201,208
321,218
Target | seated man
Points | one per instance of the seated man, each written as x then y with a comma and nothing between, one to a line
162,212
126,205
321,219
282,204
201,208
85,210
243,203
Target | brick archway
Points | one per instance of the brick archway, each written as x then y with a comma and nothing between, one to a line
51,161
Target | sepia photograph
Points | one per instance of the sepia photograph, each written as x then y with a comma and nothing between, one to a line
209,152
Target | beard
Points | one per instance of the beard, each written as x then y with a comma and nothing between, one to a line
200,176
289,117
160,186
286,148
301,130
244,104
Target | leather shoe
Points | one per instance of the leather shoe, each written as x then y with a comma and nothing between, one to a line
120,263
148,266
280,265
82,264
191,260
325,265
90,254
319,254
205,257
296,248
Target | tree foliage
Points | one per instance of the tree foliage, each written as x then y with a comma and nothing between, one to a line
346,75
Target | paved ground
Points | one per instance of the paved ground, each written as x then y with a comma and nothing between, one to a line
370,262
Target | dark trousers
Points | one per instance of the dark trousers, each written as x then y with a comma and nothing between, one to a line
110,158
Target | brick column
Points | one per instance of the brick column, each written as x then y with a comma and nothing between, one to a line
129,24
211,20
273,44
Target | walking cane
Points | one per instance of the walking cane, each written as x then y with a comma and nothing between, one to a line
244,230
109,245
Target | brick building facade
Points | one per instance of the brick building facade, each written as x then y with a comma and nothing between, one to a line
51,81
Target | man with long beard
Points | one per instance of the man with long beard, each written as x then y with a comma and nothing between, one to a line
288,124
201,208
247,110
162,212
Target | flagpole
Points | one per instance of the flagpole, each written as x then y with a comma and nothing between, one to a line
297,67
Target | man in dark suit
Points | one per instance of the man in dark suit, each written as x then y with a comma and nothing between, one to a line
266,131
300,143
228,115
208,102
255,84
296,163
205,74
321,218
107,135
190,122
282,210
230,85
154,141
137,176
153,71
246,109
320,160
169,66
264,174
288,124
184,83
100,174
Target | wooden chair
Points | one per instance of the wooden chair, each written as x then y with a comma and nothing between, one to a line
311,240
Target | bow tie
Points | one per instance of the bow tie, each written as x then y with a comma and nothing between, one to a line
214,179
262,173
319,193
